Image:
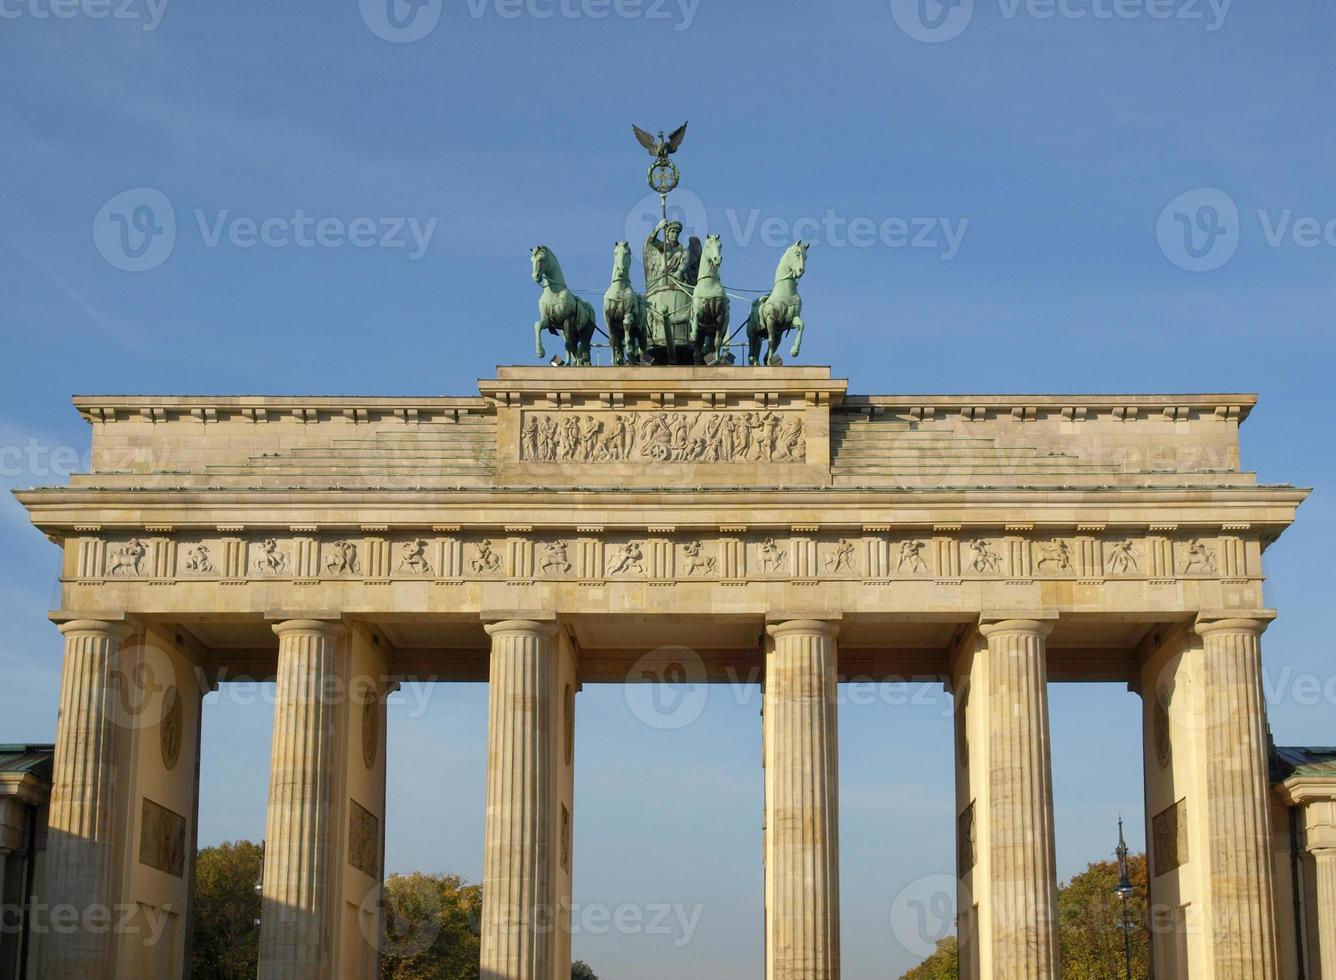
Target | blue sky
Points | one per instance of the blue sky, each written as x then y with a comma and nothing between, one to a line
1055,155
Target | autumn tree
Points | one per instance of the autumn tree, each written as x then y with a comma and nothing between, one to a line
1090,928
431,927
225,942
580,970
943,964
1090,920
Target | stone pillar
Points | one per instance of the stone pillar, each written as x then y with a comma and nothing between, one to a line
299,881
82,837
1022,878
1238,806
1324,864
802,827
520,849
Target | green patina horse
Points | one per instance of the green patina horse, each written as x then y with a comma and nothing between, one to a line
560,311
624,310
775,314
709,304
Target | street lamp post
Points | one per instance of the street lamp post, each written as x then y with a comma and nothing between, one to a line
1124,891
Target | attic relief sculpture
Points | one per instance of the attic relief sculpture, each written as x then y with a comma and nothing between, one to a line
663,437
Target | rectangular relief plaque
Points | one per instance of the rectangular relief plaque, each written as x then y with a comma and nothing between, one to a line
363,839
761,436
162,839
1169,832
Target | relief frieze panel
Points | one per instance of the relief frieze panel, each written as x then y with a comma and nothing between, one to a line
726,554
760,436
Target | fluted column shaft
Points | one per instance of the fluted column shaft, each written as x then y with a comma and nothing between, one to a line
1023,884
1324,862
295,925
1243,930
82,821
519,888
802,803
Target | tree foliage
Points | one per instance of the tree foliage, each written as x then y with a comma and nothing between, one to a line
431,928
943,964
1090,918
1090,933
225,942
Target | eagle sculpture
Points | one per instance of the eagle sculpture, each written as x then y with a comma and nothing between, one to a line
658,147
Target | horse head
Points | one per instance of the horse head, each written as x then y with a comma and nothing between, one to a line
540,255
712,257
621,261
794,262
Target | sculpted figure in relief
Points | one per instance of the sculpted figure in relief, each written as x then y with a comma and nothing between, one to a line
128,559
198,560
843,558
1123,557
696,560
911,554
344,559
1200,556
985,558
1055,552
772,556
486,560
415,557
271,560
629,558
554,557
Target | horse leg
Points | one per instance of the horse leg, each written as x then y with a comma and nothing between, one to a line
616,337
538,337
753,340
798,336
773,334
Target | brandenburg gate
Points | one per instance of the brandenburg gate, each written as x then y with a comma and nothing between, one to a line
562,524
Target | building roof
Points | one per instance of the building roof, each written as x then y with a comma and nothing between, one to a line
29,759
1295,760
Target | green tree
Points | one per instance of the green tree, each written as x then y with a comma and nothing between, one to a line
1090,919
225,942
943,964
431,928
1090,928
580,970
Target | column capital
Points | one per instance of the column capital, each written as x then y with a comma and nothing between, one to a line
324,627
1025,624
1254,621
526,627
95,627
787,627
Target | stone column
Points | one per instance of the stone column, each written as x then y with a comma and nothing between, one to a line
295,939
82,834
1023,884
802,826
1324,862
1238,806
519,920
